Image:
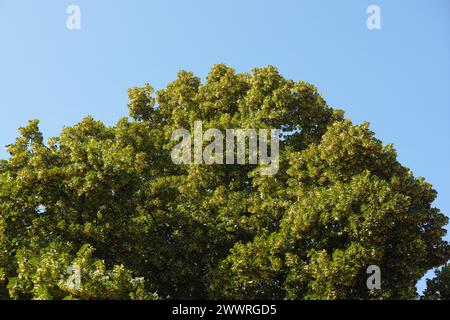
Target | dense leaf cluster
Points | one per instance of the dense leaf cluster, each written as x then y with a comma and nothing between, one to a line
438,288
110,200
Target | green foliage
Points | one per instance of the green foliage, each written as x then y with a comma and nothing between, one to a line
438,288
110,200
43,276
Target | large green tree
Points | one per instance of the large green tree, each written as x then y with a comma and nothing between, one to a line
110,200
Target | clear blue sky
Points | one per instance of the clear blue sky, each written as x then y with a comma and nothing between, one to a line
397,78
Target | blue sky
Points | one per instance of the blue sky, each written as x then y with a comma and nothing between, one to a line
397,78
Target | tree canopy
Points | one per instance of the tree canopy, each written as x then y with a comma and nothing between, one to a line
438,288
110,200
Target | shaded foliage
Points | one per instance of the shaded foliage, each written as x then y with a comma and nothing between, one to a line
438,288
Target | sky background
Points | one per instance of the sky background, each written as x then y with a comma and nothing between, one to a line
397,78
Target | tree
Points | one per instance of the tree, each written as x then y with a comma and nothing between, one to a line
438,288
110,200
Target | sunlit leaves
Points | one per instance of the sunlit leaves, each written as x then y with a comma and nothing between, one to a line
110,200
